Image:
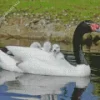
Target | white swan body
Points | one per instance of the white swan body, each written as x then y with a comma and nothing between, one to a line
26,53
39,67
37,61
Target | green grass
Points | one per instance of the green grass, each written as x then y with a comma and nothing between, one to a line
66,10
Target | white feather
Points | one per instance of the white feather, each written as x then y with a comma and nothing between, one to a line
37,61
47,46
35,45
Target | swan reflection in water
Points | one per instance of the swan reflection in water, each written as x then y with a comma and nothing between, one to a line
15,86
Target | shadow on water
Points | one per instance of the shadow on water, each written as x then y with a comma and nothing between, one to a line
16,86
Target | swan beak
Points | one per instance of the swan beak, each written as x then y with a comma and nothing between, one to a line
97,30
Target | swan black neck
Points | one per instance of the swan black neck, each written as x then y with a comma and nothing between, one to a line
81,29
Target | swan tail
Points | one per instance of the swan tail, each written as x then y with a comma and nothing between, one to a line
8,63
5,50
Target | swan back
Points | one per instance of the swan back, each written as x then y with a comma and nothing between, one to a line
24,53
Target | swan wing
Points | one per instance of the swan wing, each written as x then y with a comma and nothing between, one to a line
24,53
36,66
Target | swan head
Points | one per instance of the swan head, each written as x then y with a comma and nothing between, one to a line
56,48
88,26
35,45
47,46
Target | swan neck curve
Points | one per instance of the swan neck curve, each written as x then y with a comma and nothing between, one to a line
77,46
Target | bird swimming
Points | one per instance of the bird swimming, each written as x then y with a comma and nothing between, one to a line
37,61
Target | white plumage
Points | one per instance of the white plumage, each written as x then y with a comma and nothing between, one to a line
56,51
35,45
47,46
36,61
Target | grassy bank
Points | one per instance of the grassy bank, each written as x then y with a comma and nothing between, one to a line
53,20
65,10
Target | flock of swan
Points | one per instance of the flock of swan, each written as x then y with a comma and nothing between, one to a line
48,60
53,49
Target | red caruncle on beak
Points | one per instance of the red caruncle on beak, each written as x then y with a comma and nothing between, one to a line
94,27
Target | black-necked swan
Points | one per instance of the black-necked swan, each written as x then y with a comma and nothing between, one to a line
37,61
36,45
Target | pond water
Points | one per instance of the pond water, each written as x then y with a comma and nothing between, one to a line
16,86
